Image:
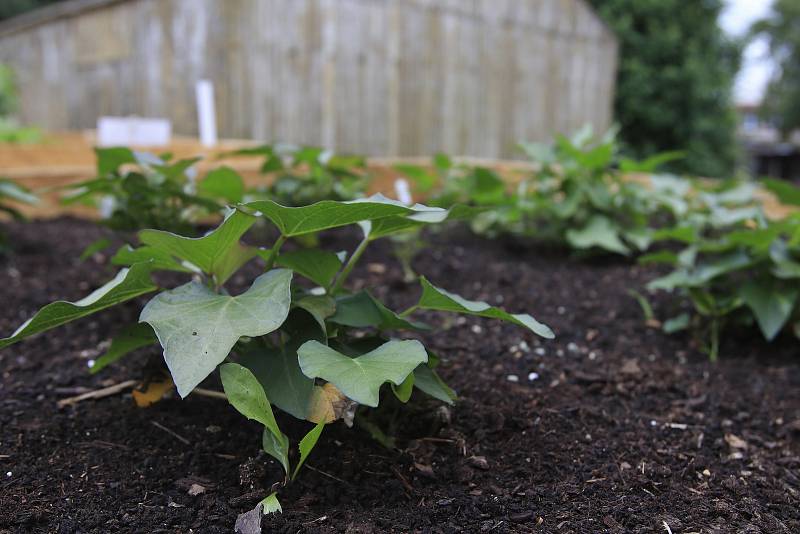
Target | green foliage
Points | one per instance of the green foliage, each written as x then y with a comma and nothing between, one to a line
674,81
781,102
737,267
12,192
576,197
135,190
12,8
10,129
315,353
305,175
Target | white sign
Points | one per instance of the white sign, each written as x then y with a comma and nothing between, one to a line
206,113
133,131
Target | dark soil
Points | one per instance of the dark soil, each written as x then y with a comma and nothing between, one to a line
620,429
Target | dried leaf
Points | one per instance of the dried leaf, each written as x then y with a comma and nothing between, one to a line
329,404
153,392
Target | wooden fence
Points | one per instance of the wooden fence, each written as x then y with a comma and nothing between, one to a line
378,77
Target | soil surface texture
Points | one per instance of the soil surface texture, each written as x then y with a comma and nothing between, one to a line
613,426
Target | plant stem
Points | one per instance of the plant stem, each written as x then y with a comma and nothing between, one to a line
714,352
273,254
351,262
408,311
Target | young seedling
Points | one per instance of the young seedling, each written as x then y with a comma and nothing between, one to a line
315,353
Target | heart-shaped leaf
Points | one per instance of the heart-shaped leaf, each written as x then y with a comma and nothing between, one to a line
599,232
362,310
126,285
224,183
771,304
361,378
422,216
161,260
434,298
218,254
326,214
319,266
198,327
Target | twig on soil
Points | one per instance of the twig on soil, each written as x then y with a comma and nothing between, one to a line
210,393
98,393
406,484
172,433
666,527
321,472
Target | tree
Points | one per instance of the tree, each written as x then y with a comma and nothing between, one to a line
674,83
781,28
12,8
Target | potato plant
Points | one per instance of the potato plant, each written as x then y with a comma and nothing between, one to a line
313,349
304,175
737,266
135,190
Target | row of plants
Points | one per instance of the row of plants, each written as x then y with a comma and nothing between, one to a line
731,264
299,340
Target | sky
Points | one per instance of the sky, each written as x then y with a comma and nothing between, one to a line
756,65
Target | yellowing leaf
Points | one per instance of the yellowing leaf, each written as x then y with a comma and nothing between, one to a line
153,392
328,404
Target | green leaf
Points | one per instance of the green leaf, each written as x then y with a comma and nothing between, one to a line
219,253
423,216
111,159
276,446
161,260
198,327
14,191
132,337
270,504
307,444
434,298
246,395
786,192
326,214
222,182
278,369
428,380
126,285
360,378
599,232
772,304
319,266
685,234
362,310
319,306
420,176
675,324
403,391
662,256
94,247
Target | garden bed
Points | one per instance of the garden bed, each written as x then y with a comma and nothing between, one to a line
611,427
